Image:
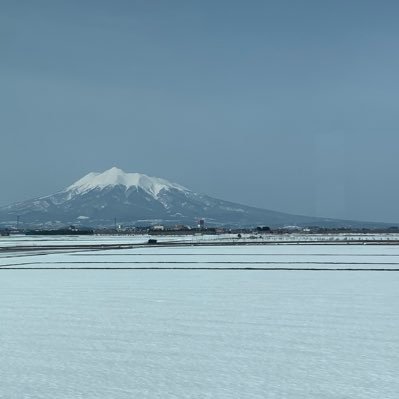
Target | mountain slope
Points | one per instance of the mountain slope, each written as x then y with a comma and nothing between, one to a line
136,199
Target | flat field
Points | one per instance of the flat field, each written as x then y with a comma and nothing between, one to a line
127,324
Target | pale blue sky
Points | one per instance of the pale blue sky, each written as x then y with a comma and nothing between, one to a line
285,105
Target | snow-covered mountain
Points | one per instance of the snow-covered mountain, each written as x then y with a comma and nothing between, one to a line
116,177
136,199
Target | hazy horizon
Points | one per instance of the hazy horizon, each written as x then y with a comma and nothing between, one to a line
278,105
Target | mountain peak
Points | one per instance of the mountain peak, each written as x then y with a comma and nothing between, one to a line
117,177
115,171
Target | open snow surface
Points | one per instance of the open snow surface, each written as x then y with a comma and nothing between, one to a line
201,333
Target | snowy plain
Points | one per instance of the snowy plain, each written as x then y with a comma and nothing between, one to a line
201,333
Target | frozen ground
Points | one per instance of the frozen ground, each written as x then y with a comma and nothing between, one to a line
201,333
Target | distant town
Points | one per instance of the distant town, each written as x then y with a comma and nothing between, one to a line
198,229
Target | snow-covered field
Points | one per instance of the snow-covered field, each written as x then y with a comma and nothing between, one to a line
201,333
339,256
22,240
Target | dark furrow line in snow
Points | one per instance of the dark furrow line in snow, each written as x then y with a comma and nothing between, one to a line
221,262
198,262
231,254
210,268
